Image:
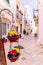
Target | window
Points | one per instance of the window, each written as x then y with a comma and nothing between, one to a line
17,15
20,16
17,6
4,28
7,27
7,1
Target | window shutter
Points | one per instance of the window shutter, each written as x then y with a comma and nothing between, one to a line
7,1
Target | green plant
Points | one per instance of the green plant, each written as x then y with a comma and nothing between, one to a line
24,31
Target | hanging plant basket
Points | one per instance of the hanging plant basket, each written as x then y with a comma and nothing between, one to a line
13,39
13,59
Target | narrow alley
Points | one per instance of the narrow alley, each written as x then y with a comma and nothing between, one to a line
21,32
32,53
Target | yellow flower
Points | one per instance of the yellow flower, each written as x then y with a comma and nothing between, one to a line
13,32
10,35
17,49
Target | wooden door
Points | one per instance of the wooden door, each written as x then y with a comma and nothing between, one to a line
17,28
2,53
20,28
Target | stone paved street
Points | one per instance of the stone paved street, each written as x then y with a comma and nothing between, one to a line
32,54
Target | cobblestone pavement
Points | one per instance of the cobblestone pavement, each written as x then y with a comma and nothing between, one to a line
32,54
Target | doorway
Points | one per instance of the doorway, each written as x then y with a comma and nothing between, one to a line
20,28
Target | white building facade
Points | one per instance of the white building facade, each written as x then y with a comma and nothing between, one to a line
40,25
6,17
17,9
29,17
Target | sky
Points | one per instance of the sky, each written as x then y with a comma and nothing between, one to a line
31,3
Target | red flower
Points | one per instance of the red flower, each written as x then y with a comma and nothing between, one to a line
13,52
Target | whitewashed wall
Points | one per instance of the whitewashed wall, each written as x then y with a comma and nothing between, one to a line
4,4
13,7
40,30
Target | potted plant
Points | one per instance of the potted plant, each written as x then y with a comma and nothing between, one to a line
14,54
24,31
13,36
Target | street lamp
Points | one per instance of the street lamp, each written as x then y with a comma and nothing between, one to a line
1,22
